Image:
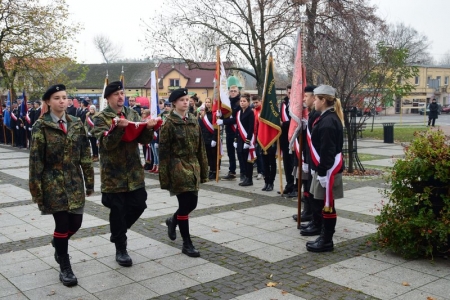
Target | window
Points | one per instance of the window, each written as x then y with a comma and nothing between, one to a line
197,80
174,82
416,80
438,79
428,80
446,80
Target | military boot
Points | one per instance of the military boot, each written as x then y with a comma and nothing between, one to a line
325,241
66,275
306,215
315,226
122,256
171,227
56,254
189,249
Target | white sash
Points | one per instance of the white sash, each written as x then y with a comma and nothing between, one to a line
243,134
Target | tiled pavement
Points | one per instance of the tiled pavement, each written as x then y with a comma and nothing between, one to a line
250,247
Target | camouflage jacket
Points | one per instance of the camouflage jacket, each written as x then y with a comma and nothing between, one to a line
59,164
182,157
120,162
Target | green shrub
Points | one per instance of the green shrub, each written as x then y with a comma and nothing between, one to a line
415,221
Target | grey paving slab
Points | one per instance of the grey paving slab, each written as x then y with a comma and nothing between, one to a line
132,291
10,155
181,261
13,163
269,293
272,253
438,267
103,281
23,267
381,151
388,162
169,283
439,287
146,270
402,275
379,287
17,296
12,193
7,289
420,295
35,280
56,291
22,173
206,272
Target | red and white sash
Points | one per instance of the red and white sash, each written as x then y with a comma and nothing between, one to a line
208,124
90,122
13,116
27,117
243,134
329,197
284,116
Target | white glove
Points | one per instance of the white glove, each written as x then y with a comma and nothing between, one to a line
156,145
218,113
235,145
30,129
213,144
323,181
219,122
89,134
246,146
313,172
304,123
17,127
305,168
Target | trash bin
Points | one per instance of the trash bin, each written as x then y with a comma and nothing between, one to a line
388,132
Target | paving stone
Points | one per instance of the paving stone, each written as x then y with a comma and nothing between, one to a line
419,295
268,294
133,291
103,281
206,272
439,287
371,285
169,283
56,291
7,289
35,280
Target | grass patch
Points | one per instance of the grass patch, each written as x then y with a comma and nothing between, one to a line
365,157
401,134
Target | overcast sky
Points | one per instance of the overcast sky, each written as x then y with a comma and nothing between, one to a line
120,20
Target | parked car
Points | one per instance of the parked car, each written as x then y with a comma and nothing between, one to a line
446,109
428,109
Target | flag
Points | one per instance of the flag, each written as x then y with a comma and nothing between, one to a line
154,105
221,98
297,93
269,119
122,79
103,102
7,114
23,106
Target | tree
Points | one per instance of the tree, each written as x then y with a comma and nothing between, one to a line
108,50
245,30
31,31
445,60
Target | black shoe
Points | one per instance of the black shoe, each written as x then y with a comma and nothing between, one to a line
190,250
305,217
320,245
242,177
265,187
269,187
230,176
171,228
122,256
212,175
247,182
293,194
294,217
56,254
66,275
312,242
304,226
311,230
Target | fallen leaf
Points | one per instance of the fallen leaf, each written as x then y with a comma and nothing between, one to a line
94,253
215,230
431,298
283,292
271,284
404,283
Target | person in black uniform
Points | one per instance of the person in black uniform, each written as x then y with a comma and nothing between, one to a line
83,110
209,137
71,109
245,139
28,124
288,158
37,112
230,130
326,142
15,125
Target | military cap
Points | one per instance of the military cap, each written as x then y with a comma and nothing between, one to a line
325,90
112,88
85,103
53,89
178,93
310,88
167,103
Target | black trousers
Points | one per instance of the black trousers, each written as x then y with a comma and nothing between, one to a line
94,146
288,159
431,121
126,208
269,167
211,153
231,152
245,166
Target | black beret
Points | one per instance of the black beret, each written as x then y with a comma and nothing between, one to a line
310,88
178,93
112,88
85,103
38,102
53,89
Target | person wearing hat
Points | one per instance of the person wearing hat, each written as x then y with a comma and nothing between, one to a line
83,110
36,111
433,114
122,175
28,124
59,150
182,165
326,142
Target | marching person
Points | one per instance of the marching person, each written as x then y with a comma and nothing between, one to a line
183,165
209,137
60,162
122,175
245,139
326,142
90,115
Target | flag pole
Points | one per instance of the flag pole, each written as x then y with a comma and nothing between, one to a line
299,176
218,145
279,166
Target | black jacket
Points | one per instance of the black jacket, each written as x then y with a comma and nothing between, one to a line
72,110
434,109
81,113
207,135
247,120
229,122
313,115
327,137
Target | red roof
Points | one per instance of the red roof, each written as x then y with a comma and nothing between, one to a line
197,78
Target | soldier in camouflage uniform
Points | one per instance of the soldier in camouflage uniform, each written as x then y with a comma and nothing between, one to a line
59,154
183,165
122,175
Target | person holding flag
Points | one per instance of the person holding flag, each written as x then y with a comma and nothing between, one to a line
245,139
325,141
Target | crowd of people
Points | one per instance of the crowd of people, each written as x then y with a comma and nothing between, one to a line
64,141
